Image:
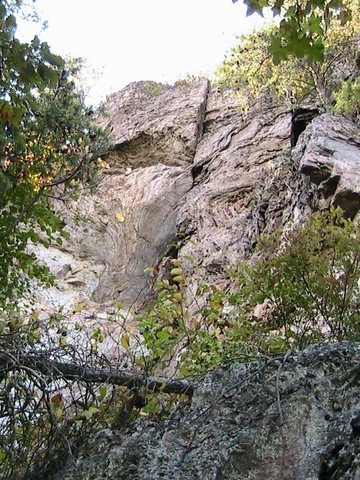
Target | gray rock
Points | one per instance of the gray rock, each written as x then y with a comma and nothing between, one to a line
329,152
154,123
296,419
190,175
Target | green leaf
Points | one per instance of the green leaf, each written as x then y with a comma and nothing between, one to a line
102,392
163,335
176,271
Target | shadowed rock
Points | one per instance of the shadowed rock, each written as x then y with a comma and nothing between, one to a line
329,152
297,419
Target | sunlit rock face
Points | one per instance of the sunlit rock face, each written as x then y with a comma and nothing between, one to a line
188,174
129,222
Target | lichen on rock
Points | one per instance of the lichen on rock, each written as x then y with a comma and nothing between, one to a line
294,417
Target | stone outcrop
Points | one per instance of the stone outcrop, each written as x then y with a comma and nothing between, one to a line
297,417
130,221
329,152
189,174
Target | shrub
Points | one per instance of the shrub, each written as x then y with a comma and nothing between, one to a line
304,288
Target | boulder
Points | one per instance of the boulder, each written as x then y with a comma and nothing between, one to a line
329,153
295,417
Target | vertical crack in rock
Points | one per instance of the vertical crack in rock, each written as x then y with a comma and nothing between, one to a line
128,222
301,117
245,183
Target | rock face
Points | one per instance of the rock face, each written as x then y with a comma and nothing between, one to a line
190,175
295,418
130,221
329,152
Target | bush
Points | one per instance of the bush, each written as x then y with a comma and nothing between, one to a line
348,98
304,288
56,388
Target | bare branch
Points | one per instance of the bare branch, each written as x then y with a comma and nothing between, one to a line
75,372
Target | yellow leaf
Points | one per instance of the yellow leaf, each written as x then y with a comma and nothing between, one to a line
149,269
125,341
120,217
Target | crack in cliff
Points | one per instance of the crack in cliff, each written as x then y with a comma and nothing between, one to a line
201,129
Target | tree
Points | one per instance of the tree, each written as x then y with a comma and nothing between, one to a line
46,139
53,394
303,27
54,390
251,68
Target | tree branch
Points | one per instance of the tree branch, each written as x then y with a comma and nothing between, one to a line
76,372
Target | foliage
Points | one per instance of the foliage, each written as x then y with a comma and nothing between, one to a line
310,280
251,69
347,98
56,385
303,289
303,26
41,410
46,139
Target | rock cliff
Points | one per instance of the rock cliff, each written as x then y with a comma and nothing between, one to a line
190,175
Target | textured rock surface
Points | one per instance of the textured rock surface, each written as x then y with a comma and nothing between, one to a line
153,123
245,183
296,419
329,152
129,222
189,174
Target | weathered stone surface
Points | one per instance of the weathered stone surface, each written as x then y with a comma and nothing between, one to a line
297,419
188,167
129,221
128,224
235,165
329,152
153,123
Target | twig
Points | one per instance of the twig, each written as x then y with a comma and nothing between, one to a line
277,385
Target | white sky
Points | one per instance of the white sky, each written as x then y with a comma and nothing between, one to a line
128,40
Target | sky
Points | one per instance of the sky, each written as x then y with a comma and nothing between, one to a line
129,40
